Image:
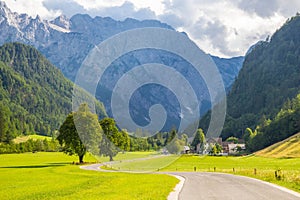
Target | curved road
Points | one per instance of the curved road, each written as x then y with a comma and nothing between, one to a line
208,186
219,186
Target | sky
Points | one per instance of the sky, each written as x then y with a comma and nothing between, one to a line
224,28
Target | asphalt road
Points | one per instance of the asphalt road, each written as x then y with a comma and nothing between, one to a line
218,186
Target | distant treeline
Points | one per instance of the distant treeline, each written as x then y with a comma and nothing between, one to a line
30,146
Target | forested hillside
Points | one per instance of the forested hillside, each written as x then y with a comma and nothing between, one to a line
269,77
35,97
285,124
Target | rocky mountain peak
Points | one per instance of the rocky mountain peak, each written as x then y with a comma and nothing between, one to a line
5,12
3,8
62,21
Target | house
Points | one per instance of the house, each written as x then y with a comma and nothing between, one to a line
186,149
213,141
234,148
228,148
225,147
205,149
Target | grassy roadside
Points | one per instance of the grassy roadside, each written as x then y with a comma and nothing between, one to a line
252,166
50,176
151,164
288,148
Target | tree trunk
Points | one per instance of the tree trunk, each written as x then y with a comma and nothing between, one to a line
81,158
111,158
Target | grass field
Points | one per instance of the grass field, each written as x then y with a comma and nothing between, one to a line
288,148
129,156
265,167
50,176
151,164
33,137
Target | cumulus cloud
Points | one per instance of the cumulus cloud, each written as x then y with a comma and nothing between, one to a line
224,28
67,7
32,8
126,10
269,8
119,12
261,8
214,32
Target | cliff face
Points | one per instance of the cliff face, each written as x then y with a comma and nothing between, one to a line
66,42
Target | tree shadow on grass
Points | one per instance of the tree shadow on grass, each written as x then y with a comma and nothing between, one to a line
34,166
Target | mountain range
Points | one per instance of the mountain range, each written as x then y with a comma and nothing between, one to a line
66,43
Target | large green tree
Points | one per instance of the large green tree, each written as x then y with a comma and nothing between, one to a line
175,145
113,141
80,132
199,138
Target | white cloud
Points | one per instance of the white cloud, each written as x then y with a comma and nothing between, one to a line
32,8
224,28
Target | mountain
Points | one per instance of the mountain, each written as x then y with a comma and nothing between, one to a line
229,69
67,42
270,76
35,97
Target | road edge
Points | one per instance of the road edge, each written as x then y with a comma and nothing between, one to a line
174,195
284,189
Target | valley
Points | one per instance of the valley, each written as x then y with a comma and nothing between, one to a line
61,136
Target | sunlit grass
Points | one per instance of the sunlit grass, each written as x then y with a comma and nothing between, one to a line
151,164
128,156
51,176
288,148
33,137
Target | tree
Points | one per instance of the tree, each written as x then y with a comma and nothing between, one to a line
172,136
199,138
125,140
216,149
185,139
113,140
232,139
4,112
86,134
248,137
175,146
89,129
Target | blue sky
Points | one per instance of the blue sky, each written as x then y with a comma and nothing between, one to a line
224,28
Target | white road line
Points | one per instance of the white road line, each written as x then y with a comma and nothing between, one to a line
174,195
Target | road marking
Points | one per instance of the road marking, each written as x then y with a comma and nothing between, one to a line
174,195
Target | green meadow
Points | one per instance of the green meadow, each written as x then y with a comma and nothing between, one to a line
51,176
33,137
149,164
